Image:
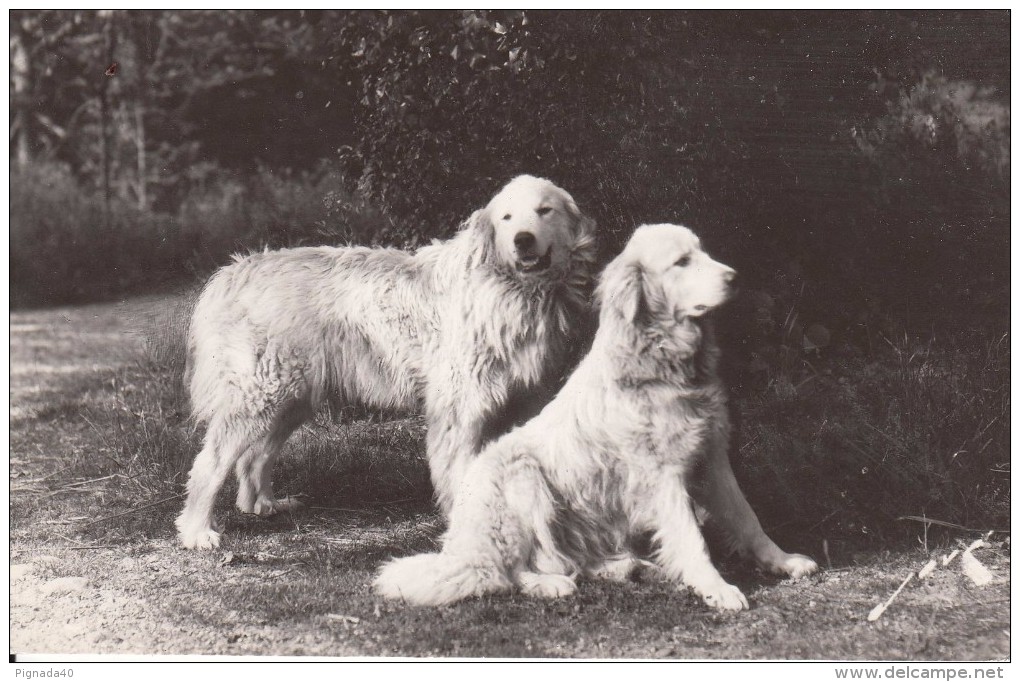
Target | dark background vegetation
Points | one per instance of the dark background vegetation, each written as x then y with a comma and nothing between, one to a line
853,166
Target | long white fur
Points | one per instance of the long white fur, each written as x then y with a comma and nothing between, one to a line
460,327
638,434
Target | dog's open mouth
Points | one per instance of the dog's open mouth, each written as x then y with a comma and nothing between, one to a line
535,263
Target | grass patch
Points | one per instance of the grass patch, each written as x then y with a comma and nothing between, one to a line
100,455
838,448
858,443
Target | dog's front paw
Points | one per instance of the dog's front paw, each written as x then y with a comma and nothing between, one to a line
201,535
796,566
202,539
724,597
546,585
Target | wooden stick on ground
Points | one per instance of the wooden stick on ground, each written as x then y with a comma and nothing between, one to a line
877,612
136,509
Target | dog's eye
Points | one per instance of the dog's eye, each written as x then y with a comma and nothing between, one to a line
545,210
684,261
506,217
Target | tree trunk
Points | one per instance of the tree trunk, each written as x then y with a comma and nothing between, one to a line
143,202
109,47
21,80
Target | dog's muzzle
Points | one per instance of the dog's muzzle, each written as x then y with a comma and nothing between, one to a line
727,294
534,262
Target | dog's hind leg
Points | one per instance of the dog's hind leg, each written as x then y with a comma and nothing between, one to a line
682,552
716,490
224,444
255,469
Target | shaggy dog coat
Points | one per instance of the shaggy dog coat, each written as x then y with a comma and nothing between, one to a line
639,429
462,327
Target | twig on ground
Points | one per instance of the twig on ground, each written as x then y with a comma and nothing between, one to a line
877,612
974,569
283,573
105,440
977,544
64,549
136,509
27,489
947,524
64,491
58,471
824,519
748,443
78,484
928,569
352,620
64,522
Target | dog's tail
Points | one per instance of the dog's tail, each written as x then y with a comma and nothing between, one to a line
437,579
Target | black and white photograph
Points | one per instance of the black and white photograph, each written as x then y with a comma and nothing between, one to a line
511,335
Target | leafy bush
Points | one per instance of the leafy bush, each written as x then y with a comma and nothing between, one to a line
915,430
821,175
933,219
454,104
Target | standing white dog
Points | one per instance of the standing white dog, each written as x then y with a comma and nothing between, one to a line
464,326
639,429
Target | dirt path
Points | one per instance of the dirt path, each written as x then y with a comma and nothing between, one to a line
299,586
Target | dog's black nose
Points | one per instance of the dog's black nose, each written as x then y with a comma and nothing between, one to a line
524,241
730,276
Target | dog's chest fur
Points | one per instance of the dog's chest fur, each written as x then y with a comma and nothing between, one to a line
667,426
513,328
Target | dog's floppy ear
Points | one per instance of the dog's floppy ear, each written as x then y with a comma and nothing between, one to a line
481,236
584,227
621,291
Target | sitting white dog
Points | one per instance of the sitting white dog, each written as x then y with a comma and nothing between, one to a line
639,432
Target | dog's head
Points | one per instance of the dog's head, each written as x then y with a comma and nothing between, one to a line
663,276
534,227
